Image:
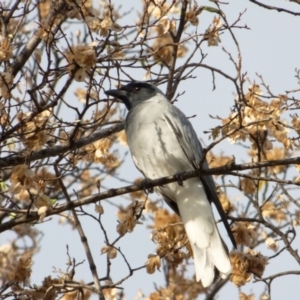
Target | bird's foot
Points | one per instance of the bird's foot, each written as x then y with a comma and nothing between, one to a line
180,177
147,186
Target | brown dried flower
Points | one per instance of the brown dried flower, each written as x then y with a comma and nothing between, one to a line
153,263
272,244
296,220
137,194
102,26
129,217
257,121
228,207
163,44
34,137
191,16
157,9
248,185
276,213
6,82
243,296
23,269
47,180
45,31
245,233
21,178
88,183
111,251
43,203
171,238
6,49
4,116
296,123
121,136
99,209
246,264
98,152
277,154
212,33
215,161
84,56
42,200
44,8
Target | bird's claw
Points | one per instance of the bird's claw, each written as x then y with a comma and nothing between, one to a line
147,186
180,178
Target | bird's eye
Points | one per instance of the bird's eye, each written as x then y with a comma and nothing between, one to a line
137,88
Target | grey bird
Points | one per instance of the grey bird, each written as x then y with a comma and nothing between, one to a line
163,142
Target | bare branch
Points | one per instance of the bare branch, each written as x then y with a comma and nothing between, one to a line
279,9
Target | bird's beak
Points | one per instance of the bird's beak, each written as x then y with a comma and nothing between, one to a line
119,94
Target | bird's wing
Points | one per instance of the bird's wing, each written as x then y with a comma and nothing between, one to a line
190,144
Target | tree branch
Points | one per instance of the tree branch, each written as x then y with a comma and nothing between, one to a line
54,151
33,216
32,44
279,9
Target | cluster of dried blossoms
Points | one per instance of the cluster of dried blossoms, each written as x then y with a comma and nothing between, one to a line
104,24
27,186
21,178
50,289
243,296
35,132
81,59
98,152
212,34
15,256
271,244
179,286
172,243
170,236
129,217
277,212
257,121
16,268
6,83
6,49
165,46
246,264
245,233
6,54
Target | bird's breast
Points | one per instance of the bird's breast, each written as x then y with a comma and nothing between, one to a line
153,145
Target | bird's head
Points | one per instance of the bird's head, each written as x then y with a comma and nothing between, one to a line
134,93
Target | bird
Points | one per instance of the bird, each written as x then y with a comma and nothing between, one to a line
163,142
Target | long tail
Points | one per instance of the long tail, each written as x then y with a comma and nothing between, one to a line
199,223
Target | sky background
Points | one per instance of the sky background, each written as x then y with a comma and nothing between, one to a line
270,48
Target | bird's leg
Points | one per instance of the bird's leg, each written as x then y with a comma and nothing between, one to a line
147,185
180,177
